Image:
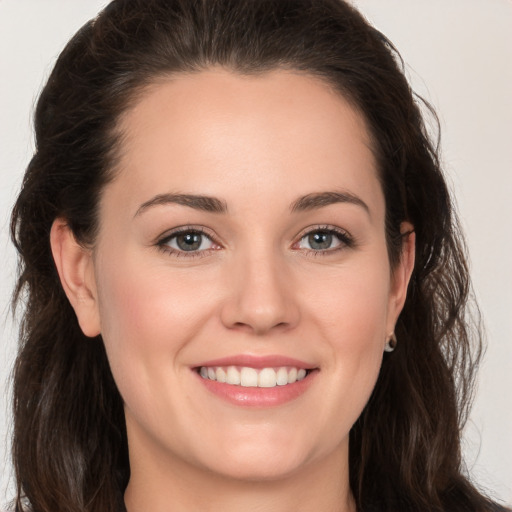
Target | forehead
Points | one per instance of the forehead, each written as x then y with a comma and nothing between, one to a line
216,132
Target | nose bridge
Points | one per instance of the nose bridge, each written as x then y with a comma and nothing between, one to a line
260,291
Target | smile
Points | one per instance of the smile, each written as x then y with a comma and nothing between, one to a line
253,378
248,380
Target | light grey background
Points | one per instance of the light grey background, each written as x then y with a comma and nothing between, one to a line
459,56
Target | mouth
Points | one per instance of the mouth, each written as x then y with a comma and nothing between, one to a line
249,380
249,377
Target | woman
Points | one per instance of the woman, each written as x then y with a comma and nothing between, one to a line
245,283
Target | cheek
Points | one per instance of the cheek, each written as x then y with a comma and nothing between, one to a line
351,304
145,303
146,319
349,318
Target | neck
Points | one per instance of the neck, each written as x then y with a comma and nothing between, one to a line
178,486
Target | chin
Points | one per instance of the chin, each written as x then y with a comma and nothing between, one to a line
260,470
261,461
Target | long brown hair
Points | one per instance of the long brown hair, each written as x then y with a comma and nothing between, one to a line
70,448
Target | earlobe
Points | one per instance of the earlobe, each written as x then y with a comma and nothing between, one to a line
76,271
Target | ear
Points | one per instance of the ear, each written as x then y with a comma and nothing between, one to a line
76,271
402,275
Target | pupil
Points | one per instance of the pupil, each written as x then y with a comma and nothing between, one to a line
189,241
320,240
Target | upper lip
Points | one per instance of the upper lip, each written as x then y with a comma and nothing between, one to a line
251,361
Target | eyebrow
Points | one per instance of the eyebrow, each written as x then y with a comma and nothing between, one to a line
321,199
214,205
203,203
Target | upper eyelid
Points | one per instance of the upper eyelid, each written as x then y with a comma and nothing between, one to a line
167,235
322,227
346,240
163,242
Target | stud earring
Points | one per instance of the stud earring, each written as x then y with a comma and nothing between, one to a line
391,343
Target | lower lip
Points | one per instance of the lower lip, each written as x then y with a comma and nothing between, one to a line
259,397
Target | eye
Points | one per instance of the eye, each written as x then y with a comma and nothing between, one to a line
187,241
324,240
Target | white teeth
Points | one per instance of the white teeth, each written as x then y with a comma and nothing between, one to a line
251,377
282,377
221,375
267,378
233,376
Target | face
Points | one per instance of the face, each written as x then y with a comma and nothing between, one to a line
240,277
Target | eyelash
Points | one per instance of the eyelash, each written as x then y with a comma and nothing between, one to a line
345,239
162,243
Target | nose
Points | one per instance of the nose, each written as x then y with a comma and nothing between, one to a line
260,296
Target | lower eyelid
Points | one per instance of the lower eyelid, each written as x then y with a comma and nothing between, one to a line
164,242
178,253
176,235
344,239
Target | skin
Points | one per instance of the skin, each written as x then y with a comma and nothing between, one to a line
258,143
